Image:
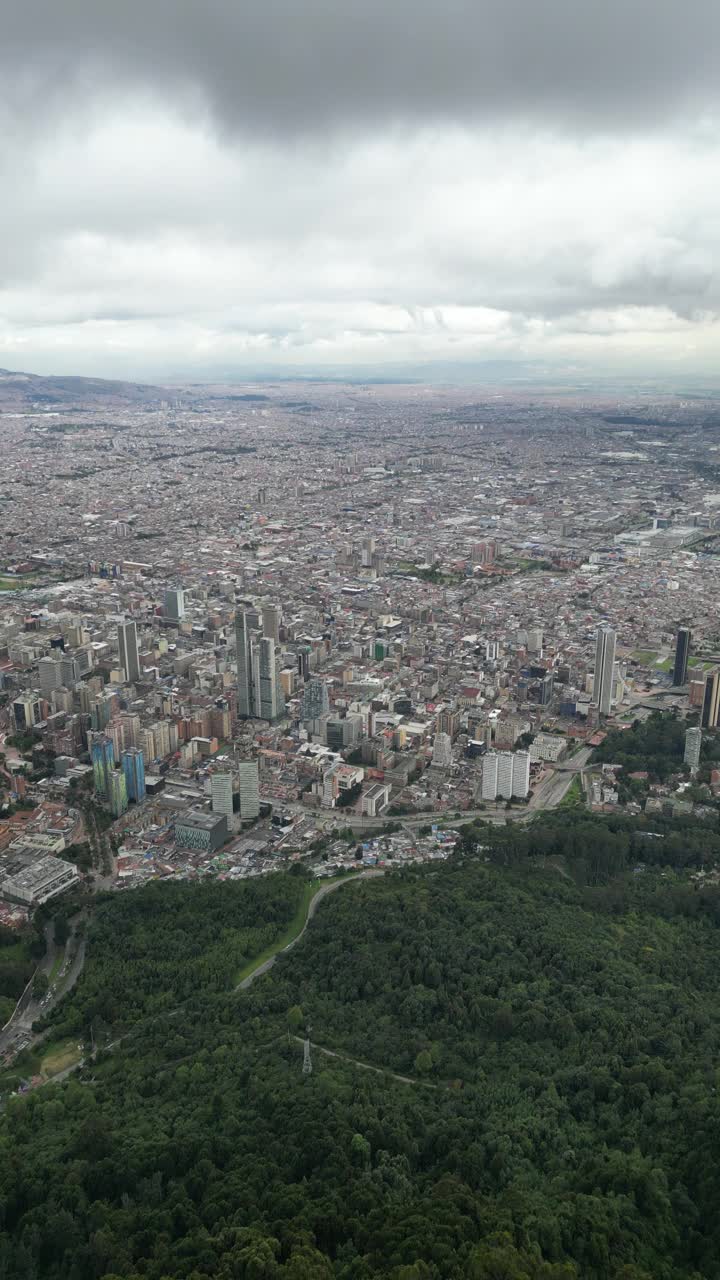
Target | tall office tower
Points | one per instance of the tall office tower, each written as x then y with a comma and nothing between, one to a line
70,671
490,776
100,713
102,755
50,673
117,794
175,603
128,650
711,701
303,659
221,791
521,774
133,767
604,669
315,701
249,789
267,692
271,622
693,743
535,640
447,722
682,653
442,751
245,666
367,552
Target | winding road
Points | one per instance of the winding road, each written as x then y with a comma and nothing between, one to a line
312,908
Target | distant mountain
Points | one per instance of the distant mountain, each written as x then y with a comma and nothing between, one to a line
23,392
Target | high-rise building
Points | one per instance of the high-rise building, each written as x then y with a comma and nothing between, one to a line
117,797
70,671
303,661
490,776
128,650
521,774
175,603
506,774
682,653
535,640
340,733
315,701
442,751
447,721
267,684
50,673
604,680
693,743
711,701
102,755
271,622
221,791
245,666
249,788
133,766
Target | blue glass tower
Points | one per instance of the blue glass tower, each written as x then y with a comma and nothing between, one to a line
133,765
102,755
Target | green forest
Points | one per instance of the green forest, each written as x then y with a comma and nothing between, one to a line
19,953
550,996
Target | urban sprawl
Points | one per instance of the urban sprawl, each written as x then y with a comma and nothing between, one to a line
325,622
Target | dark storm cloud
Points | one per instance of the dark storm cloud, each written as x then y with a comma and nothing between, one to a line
285,67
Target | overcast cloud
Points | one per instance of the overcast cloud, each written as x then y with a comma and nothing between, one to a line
195,186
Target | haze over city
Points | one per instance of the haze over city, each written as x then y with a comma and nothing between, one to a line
221,190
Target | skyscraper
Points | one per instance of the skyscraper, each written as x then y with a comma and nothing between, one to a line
604,669
50,673
221,791
682,653
175,603
266,685
711,701
315,701
117,797
521,774
102,754
693,743
249,789
133,766
128,650
245,666
271,622
490,776
442,751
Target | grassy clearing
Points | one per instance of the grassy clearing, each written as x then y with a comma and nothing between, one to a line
57,1057
574,797
57,965
15,584
646,656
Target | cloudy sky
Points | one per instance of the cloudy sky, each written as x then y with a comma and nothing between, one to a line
200,186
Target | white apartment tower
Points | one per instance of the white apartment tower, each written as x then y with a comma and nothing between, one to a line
249,789
490,776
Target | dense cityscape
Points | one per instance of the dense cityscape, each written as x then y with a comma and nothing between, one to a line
243,621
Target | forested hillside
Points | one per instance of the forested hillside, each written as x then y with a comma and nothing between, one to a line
564,1122
155,949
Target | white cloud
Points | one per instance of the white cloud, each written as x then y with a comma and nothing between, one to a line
143,242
